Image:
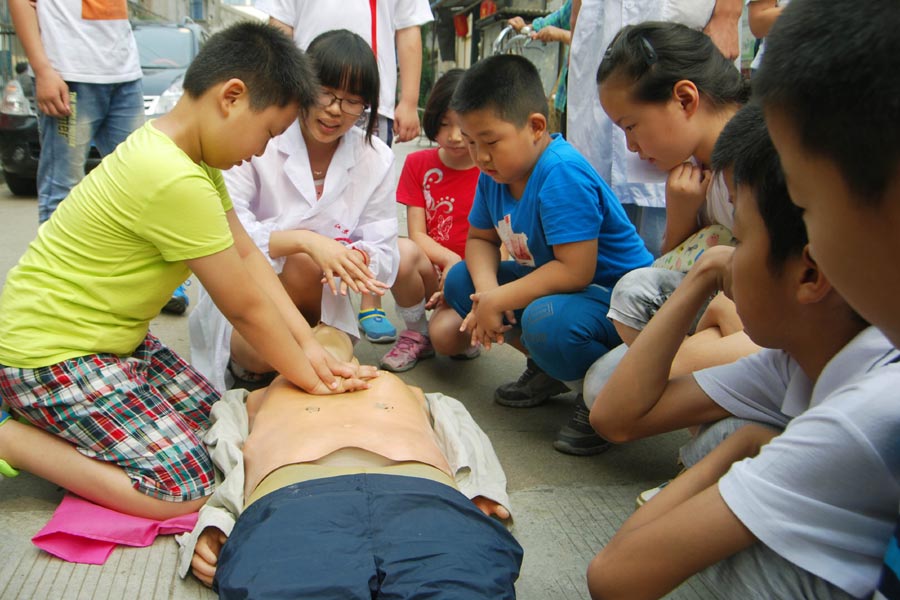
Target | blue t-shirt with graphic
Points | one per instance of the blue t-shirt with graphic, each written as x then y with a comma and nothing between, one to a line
564,201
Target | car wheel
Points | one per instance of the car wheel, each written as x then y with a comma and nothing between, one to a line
20,186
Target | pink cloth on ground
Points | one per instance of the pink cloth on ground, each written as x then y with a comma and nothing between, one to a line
83,532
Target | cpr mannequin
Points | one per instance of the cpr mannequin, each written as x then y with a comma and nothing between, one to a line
354,496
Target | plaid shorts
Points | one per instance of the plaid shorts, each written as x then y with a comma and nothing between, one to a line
145,412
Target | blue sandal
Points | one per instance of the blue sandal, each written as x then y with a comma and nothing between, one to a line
5,469
376,327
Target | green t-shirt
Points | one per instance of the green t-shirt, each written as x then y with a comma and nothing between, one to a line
108,260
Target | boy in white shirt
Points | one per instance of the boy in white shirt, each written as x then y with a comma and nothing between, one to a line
753,518
843,172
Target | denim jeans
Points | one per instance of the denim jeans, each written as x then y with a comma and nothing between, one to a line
564,333
102,113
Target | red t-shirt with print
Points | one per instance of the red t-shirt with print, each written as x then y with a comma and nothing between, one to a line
446,195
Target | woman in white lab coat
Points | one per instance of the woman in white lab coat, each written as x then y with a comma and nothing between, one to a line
320,205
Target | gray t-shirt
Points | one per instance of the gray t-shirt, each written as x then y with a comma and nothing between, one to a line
770,387
824,493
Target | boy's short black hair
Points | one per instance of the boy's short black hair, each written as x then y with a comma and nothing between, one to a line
21,67
507,84
344,61
275,71
745,146
832,69
439,101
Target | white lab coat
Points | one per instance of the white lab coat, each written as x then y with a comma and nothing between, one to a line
275,192
601,142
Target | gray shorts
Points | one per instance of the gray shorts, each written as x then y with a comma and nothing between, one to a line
757,573
639,294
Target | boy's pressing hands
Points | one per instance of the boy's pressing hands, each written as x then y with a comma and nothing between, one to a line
255,312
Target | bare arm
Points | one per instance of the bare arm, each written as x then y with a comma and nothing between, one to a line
640,399
723,27
437,254
553,34
684,529
483,257
571,270
334,258
409,62
51,92
761,15
264,314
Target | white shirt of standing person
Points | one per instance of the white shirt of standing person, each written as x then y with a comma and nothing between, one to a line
309,18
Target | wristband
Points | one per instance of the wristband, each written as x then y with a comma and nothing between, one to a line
365,256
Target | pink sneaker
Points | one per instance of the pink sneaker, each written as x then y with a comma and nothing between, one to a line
409,349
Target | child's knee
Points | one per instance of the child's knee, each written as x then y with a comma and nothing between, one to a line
300,265
443,330
410,257
458,286
547,338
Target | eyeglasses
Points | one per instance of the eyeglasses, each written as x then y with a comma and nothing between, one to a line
346,105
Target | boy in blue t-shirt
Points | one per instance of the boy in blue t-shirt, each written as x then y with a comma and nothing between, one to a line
566,233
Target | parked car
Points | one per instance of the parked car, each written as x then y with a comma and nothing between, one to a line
165,51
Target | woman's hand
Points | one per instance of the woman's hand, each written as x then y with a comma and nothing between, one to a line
516,23
339,261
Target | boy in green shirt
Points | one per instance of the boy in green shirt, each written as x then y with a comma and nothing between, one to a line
76,357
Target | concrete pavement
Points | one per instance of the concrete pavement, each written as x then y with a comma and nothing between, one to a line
565,507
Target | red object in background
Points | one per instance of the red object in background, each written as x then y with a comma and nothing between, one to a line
461,24
488,7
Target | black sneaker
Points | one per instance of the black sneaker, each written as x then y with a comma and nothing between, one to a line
577,436
533,387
